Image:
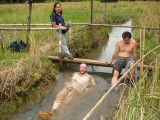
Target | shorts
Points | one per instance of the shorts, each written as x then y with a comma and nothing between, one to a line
121,62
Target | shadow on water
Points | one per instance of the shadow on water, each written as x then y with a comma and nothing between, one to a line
83,103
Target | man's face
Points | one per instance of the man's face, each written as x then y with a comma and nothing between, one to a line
126,40
83,69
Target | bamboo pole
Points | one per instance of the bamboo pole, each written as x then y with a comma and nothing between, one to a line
31,29
90,62
16,27
60,45
91,11
143,48
154,74
104,25
29,22
110,25
104,17
140,43
119,80
1,43
69,35
25,24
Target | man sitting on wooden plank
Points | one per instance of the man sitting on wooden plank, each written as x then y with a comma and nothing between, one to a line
125,49
79,82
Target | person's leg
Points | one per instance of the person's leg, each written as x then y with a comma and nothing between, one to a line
131,75
115,77
70,96
56,104
129,63
117,68
64,46
57,34
60,97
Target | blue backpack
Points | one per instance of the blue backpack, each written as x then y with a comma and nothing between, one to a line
17,46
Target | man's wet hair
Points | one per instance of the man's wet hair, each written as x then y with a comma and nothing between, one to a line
126,34
83,64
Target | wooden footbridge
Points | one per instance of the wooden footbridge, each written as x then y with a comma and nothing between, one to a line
79,61
87,61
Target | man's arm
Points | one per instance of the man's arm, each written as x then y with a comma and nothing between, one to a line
91,85
92,81
135,52
114,54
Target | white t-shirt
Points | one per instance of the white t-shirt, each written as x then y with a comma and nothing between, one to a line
81,82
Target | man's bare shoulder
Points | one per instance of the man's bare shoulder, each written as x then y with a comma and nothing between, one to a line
134,41
119,41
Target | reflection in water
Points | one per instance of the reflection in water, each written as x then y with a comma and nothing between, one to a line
82,104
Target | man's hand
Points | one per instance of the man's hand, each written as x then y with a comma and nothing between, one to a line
108,62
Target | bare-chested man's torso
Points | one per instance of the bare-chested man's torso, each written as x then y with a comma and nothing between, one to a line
125,50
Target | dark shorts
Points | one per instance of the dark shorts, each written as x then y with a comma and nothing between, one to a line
121,62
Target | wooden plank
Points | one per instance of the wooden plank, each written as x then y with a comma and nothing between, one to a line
79,60
89,62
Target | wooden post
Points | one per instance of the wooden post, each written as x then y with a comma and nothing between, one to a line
91,11
1,42
140,43
69,34
104,17
60,44
16,32
154,74
140,37
143,48
29,22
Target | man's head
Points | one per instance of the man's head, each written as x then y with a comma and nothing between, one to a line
83,68
126,37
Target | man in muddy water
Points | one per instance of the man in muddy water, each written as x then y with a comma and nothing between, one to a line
124,51
80,81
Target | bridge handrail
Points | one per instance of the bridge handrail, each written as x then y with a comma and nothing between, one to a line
104,25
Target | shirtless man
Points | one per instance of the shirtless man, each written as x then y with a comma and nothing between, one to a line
79,82
125,48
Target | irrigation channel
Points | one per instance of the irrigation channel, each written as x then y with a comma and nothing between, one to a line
81,105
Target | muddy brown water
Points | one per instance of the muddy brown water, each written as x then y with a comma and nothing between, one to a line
78,108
